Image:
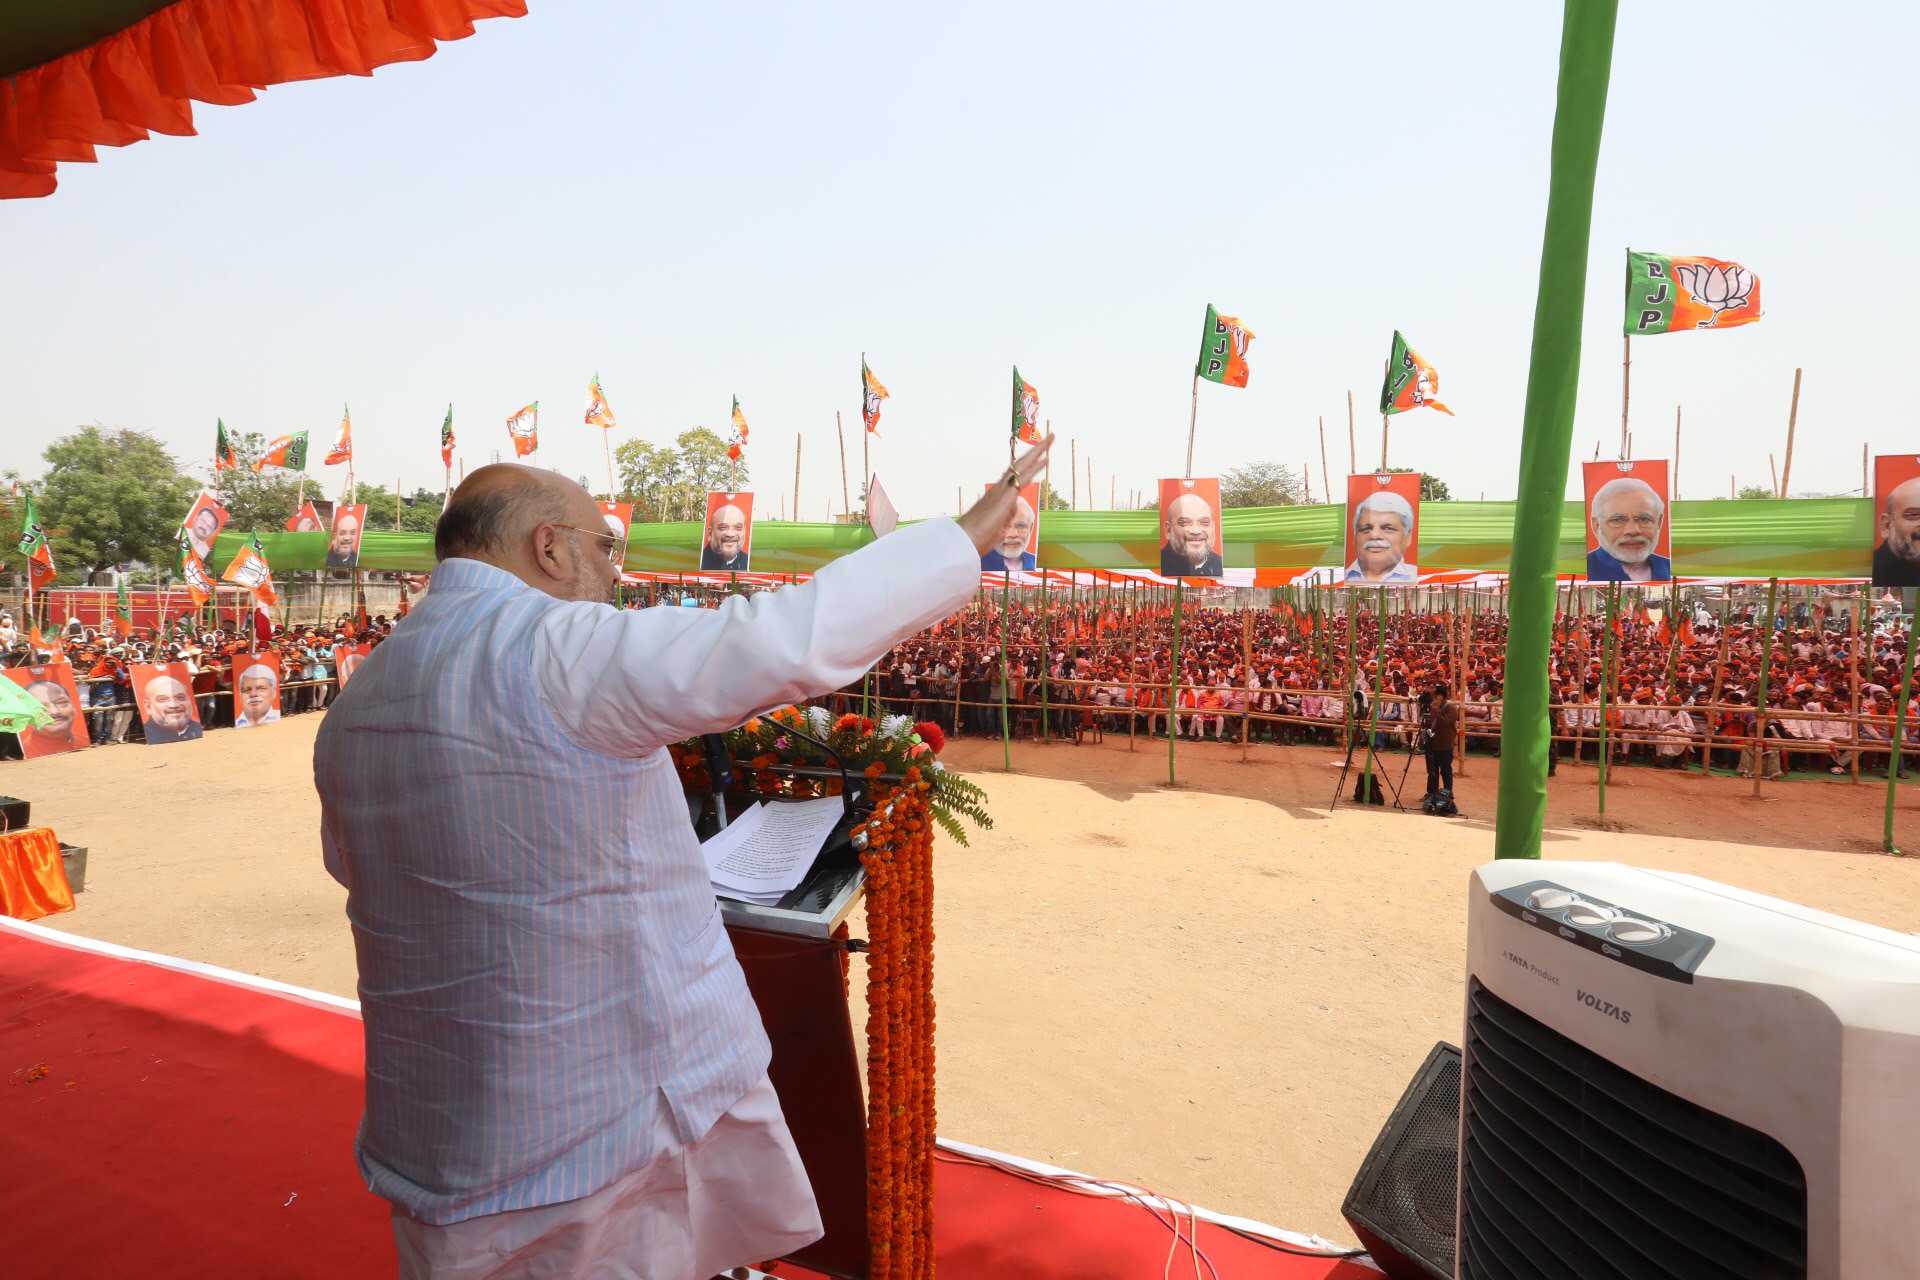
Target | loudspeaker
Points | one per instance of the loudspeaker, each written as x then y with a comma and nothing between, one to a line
1404,1202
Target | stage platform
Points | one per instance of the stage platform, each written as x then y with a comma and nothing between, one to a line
167,1119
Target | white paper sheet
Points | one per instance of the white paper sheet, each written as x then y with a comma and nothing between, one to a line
765,853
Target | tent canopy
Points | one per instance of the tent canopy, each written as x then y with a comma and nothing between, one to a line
81,74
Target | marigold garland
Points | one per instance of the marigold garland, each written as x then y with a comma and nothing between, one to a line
900,1076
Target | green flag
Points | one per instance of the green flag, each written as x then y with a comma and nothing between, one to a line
224,458
123,612
20,709
33,538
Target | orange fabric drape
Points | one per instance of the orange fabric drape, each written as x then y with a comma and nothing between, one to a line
144,79
33,880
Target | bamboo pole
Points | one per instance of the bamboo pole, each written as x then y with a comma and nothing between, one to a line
1760,694
1676,453
1073,474
1773,471
396,504
1006,739
1353,455
1853,681
846,498
1626,387
1326,480
1193,421
1894,753
1386,370
1379,676
1793,417
1090,497
1246,679
1046,656
1606,685
1173,678
1133,657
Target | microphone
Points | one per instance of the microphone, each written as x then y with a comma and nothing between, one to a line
719,773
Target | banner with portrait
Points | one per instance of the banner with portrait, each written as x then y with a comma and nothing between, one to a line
619,518
164,697
343,541
205,519
346,657
256,689
1896,520
1191,536
53,685
305,520
726,539
1019,545
1383,529
1629,538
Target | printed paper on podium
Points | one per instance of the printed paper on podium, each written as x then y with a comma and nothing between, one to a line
766,852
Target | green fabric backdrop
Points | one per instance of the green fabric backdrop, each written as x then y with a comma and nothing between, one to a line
1759,538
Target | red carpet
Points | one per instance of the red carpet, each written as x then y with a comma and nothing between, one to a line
164,1123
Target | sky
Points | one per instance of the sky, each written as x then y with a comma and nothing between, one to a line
702,202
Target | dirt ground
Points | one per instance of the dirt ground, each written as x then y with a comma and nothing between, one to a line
1217,990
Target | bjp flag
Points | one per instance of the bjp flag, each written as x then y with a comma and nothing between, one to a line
1223,350
1667,294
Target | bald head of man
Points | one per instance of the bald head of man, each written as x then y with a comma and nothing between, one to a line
727,531
169,704
1900,521
1187,528
346,535
536,525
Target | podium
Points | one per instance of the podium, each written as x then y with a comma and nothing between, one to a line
796,969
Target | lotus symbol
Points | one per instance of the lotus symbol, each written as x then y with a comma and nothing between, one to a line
1722,287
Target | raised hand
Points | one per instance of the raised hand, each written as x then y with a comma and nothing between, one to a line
986,519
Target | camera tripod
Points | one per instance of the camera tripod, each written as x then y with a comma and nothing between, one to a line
1371,761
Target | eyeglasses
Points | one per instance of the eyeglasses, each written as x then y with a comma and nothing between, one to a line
1638,522
616,549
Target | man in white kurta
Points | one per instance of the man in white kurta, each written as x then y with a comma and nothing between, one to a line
566,1074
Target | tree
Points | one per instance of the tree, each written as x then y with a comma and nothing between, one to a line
1050,499
421,512
1756,491
258,500
379,502
672,484
110,497
1259,484
1432,488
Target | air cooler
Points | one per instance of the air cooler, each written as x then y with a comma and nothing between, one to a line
1667,1077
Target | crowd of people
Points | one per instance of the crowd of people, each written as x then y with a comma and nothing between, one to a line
314,661
1681,694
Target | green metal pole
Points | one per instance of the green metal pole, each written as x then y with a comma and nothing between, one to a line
1006,622
1900,727
1607,641
1173,684
1553,382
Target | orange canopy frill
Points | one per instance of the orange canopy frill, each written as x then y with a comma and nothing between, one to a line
143,78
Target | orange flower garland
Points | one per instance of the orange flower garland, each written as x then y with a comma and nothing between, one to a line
900,1096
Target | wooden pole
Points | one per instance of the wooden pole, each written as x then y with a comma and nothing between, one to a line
866,470
1760,693
1793,416
396,504
1006,624
846,499
1246,679
1866,485
796,475
1606,685
1090,498
1353,455
1894,752
1133,658
1073,474
1626,389
1386,368
1193,421
606,443
1676,453
1173,677
1326,480
1773,471
1853,681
